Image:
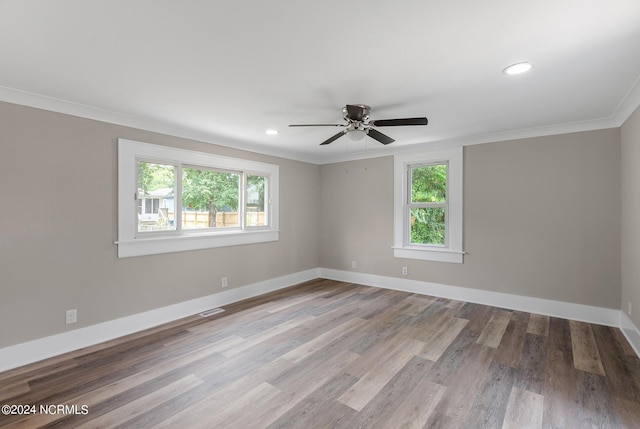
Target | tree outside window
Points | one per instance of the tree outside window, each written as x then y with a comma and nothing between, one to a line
211,191
428,204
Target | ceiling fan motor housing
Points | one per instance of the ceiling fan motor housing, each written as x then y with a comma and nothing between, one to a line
356,112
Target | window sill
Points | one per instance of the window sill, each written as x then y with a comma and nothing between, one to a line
431,254
186,242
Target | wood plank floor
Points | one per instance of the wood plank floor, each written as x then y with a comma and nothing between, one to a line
327,354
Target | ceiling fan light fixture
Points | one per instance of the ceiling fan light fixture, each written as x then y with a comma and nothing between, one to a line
518,68
272,132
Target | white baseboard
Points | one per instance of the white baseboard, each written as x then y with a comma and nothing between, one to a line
33,351
565,310
54,345
630,331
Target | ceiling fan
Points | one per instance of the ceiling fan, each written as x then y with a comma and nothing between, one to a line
357,117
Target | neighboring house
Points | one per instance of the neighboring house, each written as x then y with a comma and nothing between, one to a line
155,204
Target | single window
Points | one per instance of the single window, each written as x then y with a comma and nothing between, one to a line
210,199
256,214
173,200
156,189
427,202
428,206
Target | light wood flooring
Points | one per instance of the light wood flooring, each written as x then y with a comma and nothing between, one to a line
327,354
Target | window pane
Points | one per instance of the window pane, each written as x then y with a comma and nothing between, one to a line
255,215
428,226
209,198
429,183
156,190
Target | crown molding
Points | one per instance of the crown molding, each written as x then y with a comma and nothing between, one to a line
627,106
52,104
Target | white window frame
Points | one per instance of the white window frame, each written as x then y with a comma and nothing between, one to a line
402,247
132,243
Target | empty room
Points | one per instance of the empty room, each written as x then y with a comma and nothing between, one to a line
328,214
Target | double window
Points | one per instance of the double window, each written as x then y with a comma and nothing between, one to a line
172,199
428,206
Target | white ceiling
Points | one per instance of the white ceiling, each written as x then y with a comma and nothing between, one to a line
224,71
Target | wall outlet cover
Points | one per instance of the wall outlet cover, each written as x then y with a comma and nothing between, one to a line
71,316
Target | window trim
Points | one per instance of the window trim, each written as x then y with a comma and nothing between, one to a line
402,248
131,243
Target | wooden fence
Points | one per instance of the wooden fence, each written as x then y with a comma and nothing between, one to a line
200,219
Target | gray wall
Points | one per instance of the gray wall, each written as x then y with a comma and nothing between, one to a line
541,219
630,137
58,222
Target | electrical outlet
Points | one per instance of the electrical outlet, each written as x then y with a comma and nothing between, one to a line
71,316
629,312
353,264
405,272
223,282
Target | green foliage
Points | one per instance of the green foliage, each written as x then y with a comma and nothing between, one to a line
428,185
206,189
155,176
428,226
255,192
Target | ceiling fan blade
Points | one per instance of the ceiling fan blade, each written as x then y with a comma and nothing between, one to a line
397,122
356,113
377,135
334,138
317,125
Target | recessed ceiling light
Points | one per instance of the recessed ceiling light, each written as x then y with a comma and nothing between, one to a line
272,132
518,68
